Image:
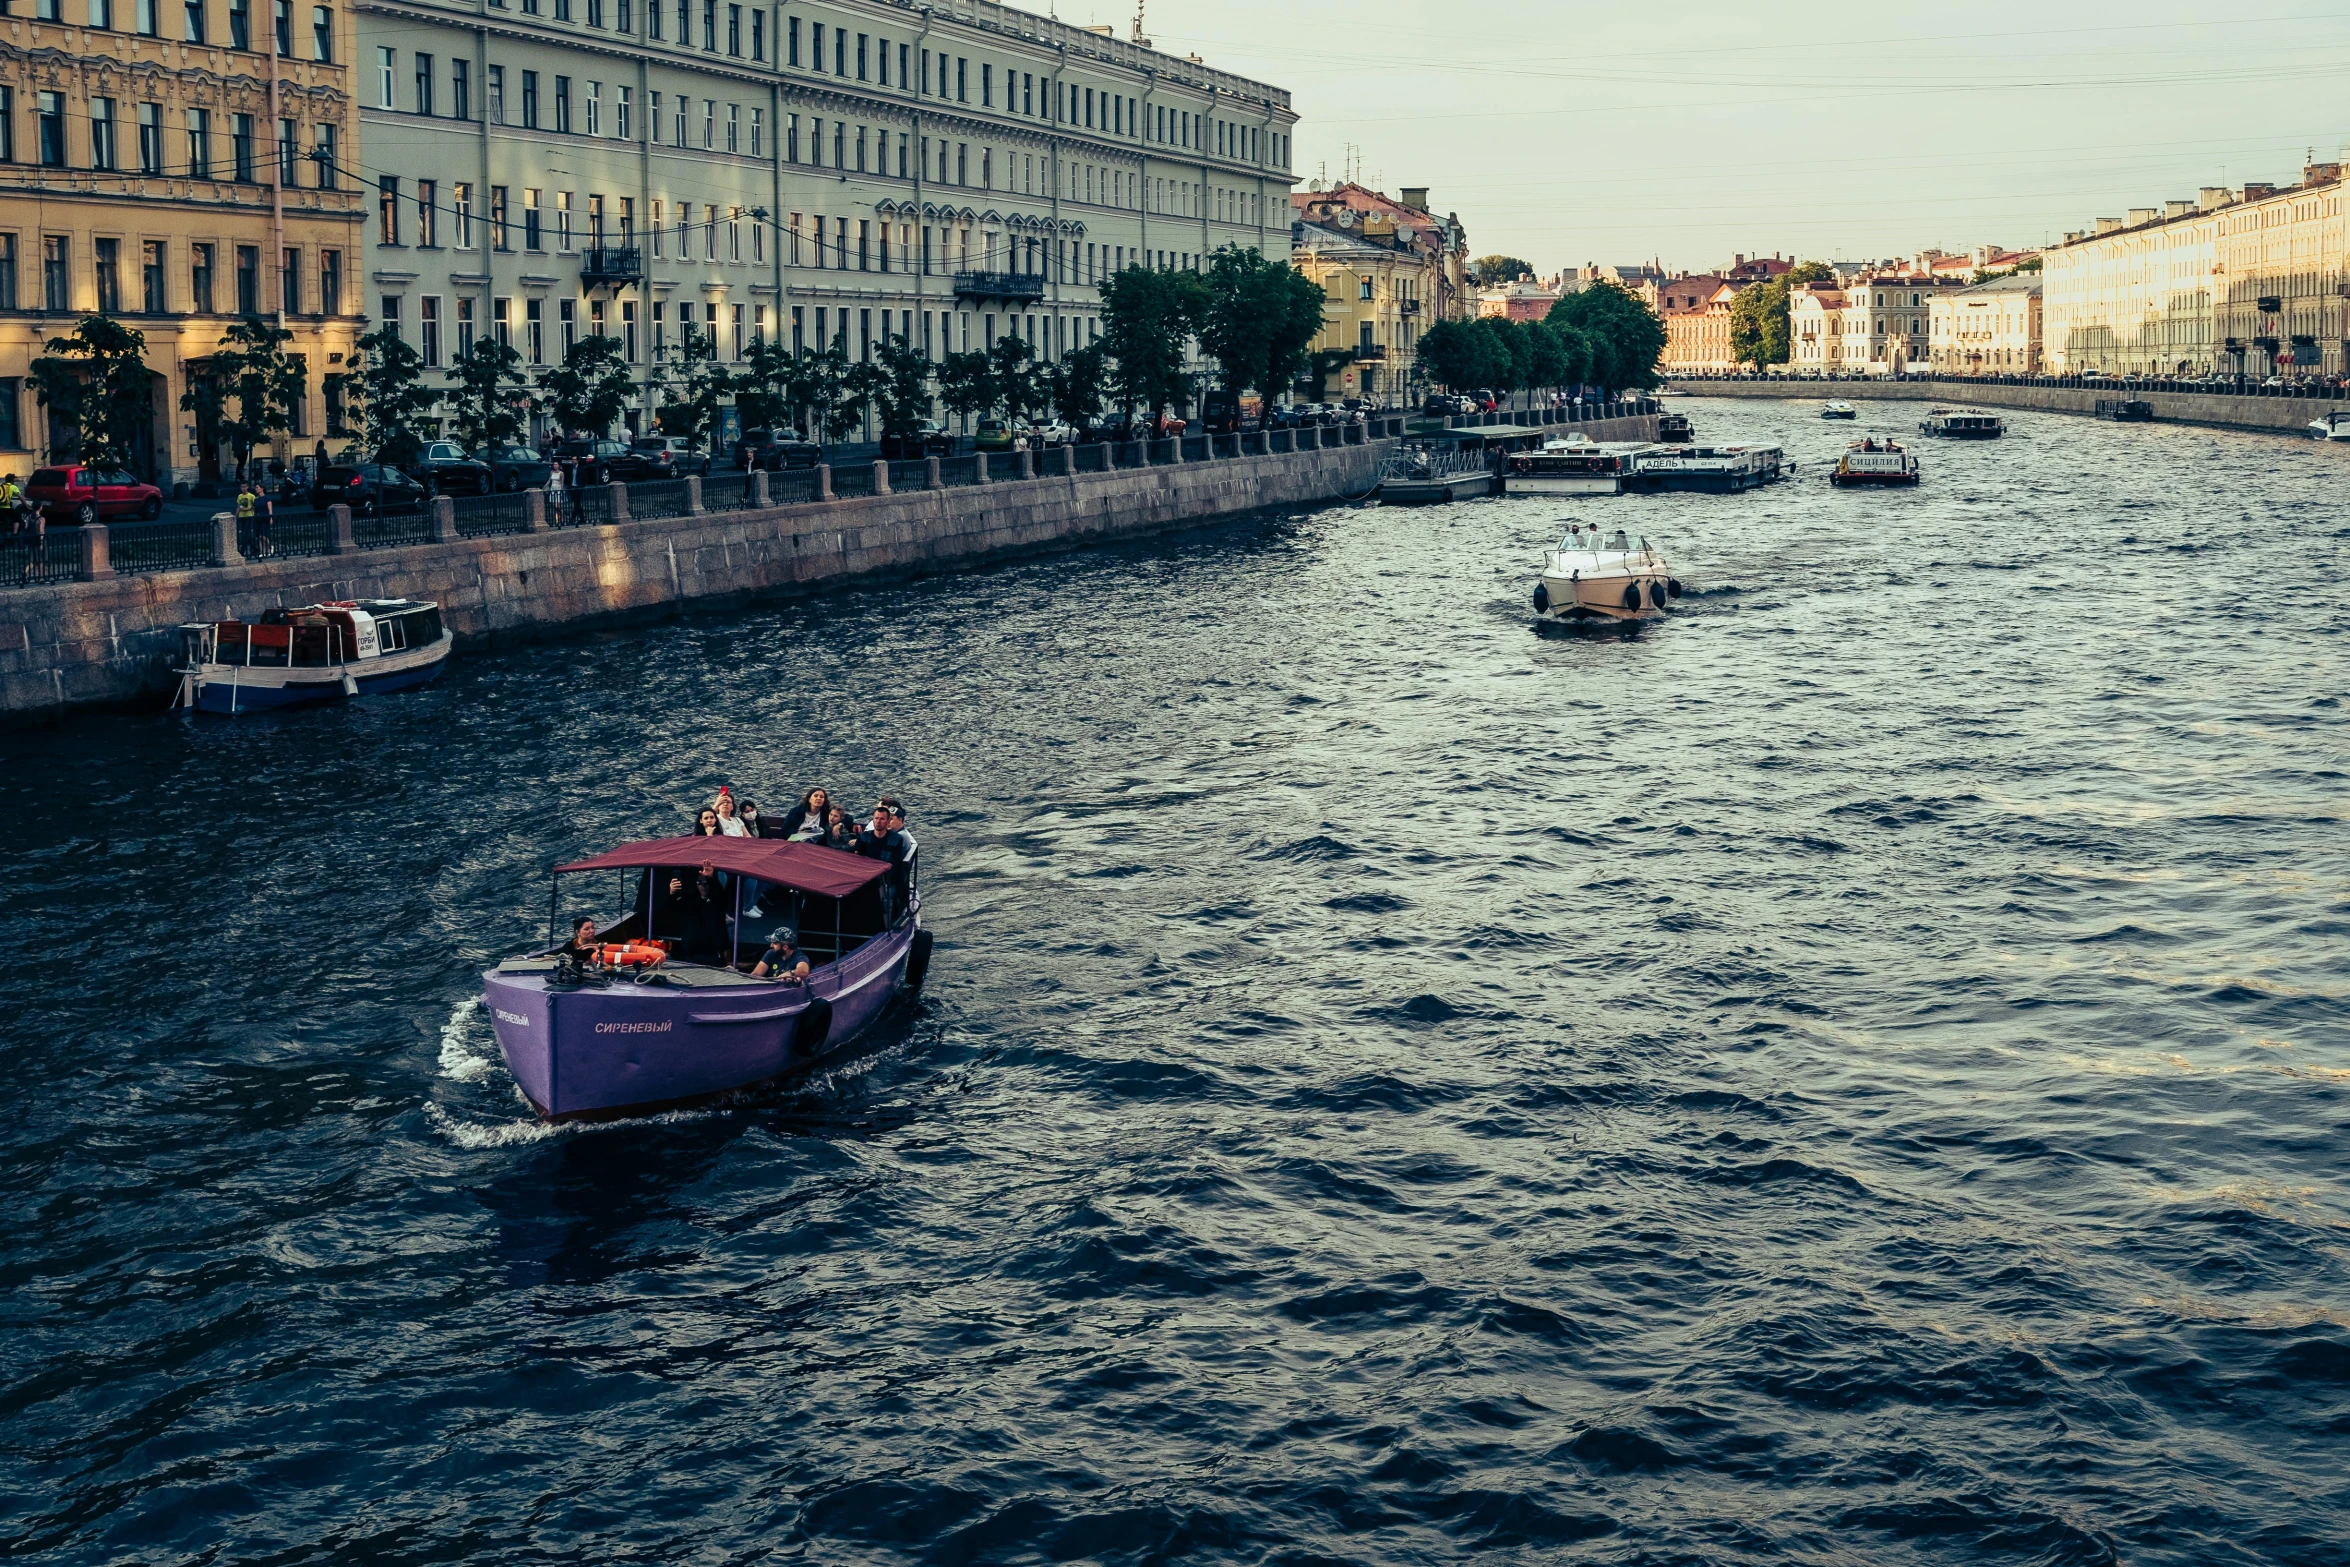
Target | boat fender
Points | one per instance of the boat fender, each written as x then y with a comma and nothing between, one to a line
1632,596
1673,587
815,1026
1541,599
918,960
1656,595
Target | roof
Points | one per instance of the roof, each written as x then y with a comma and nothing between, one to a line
2013,283
803,867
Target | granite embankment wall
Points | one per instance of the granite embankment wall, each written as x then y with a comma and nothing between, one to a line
113,640
2288,415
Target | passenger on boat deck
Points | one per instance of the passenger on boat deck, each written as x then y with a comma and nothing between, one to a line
1619,542
781,960
840,830
706,823
753,823
729,824
581,948
701,921
805,821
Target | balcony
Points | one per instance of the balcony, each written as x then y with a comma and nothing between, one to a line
999,285
611,266
1370,353
2269,304
1407,308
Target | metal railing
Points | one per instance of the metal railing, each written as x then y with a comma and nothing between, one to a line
289,534
150,546
909,473
722,492
656,498
1093,458
591,505
389,528
958,470
1000,285
791,487
487,516
56,557
852,479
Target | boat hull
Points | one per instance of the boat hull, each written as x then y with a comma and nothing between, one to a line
1435,492
1841,480
1603,597
1698,483
1563,484
1960,435
234,688
605,1051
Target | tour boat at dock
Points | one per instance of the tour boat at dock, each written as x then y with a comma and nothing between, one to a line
2125,410
1599,574
317,653
1673,429
1572,468
1838,410
1874,461
1962,424
643,1028
1720,469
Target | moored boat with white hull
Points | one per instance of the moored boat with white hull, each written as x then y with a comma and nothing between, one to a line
317,653
1874,462
1962,424
1600,574
1572,468
1838,409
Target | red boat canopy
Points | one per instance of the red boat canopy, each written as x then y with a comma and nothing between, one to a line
803,867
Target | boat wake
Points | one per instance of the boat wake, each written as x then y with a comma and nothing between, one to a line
461,1057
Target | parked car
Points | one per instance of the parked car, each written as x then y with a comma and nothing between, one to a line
1110,428
994,435
588,461
930,439
775,450
514,467
369,488
78,494
1052,432
661,457
445,469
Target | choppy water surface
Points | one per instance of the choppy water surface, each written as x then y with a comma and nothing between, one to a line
1854,1074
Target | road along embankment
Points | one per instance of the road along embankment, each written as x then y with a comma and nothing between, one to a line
2277,415
112,637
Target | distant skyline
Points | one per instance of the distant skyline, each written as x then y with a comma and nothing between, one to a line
1568,134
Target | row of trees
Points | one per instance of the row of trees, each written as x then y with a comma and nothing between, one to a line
1601,336
95,386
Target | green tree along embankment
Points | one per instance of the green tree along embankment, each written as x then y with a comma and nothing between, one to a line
1602,336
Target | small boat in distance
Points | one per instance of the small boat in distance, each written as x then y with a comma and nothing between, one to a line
1602,574
2334,426
1962,424
1673,428
1838,409
1576,468
317,653
1874,461
640,1028
2125,410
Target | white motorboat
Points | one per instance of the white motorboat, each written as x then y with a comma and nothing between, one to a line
1603,574
1839,410
1874,461
1963,424
1577,467
2334,426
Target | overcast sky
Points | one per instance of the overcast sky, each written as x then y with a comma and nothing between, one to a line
1570,132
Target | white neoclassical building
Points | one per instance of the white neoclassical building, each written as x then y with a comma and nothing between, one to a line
840,172
1991,328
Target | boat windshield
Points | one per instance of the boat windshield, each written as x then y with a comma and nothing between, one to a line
1595,539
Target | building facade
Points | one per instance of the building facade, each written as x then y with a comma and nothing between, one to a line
1888,321
1815,327
1441,243
1379,289
177,167
1696,314
835,174
2242,281
1522,300
1990,328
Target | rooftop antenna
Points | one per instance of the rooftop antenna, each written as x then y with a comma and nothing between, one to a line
1138,38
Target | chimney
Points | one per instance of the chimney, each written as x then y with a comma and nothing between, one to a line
1416,197
2140,215
2212,197
2108,225
2177,209
2254,190
2320,173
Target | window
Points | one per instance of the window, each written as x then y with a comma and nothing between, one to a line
248,280
734,30
567,315
151,261
758,35
101,133
465,326
628,329
498,217
734,234
424,84
330,282
461,89
562,10
652,18
863,41
791,34
49,108
109,270
385,60
530,220
595,10
200,279
289,282
324,149
461,208
150,138
428,330
241,146
192,21
534,329
986,85
240,24
563,220
685,30
595,223
620,107
660,217
145,13
962,81
322,34
734,116
495,85
710,25
56,285
530,100
502,322
427,210
758,133
595,108
684,104
709,124
387,209
563,103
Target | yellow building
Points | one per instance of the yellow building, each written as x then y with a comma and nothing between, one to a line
1992,328
176,164
2243,281
1384,285
1696,314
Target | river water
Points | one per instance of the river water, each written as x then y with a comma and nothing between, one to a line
1856,1073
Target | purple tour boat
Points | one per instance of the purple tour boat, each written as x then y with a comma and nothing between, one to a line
649,1031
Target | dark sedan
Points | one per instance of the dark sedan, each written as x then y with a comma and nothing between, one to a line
661,457
775,450
444,469
929,439
368,488
591,462
514,467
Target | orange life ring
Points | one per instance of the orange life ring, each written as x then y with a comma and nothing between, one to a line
630,954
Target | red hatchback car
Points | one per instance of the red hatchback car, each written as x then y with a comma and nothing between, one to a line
79,495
